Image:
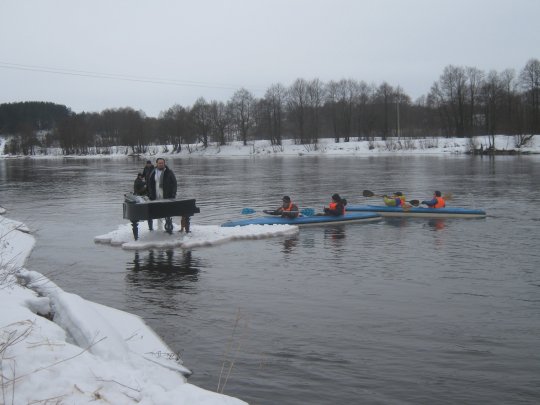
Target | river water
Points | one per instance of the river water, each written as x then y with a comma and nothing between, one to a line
411,311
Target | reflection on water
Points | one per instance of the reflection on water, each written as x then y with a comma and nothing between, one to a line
335,235
163,270
162,280
289,244
436,224
398,222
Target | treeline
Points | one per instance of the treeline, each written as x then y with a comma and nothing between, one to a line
463,102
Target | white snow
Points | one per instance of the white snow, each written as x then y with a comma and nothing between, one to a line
325,146
200,235
91,353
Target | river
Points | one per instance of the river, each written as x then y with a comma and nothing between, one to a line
402,311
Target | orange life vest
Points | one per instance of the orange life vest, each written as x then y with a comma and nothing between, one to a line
289,208
334,206
440,203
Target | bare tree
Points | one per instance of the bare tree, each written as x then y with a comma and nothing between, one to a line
364,107
343,97
530,82
315,100
241,106
448,94
297,106
202,120
385,97
492,94
511,101
174,127
475,79
332,100
275,100
221,121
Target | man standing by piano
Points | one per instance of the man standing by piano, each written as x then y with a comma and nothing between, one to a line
161,184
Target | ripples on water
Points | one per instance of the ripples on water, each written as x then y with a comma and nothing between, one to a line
397,311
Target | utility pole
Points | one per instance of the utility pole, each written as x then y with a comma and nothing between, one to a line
397,110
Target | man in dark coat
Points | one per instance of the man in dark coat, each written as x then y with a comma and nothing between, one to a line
161,182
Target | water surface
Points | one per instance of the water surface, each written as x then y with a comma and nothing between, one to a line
398,311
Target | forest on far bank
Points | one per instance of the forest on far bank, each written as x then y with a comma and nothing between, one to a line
463,102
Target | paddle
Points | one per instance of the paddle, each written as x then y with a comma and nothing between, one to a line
307,212
367,193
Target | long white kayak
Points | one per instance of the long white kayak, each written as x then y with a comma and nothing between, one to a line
448,212
306,220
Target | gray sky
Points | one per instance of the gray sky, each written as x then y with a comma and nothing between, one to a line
149,55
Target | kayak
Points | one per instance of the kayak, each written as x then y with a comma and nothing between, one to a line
448,212
306,220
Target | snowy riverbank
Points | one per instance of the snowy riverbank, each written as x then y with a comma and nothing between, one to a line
391,146
89,353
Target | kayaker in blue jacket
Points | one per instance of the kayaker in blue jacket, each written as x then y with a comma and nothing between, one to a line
436,202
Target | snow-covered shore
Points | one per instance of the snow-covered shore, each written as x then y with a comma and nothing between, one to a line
326,146
90,353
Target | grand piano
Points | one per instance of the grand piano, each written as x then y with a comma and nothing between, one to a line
137,209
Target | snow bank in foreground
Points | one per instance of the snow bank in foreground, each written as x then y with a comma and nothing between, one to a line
90,354
200,235
15,244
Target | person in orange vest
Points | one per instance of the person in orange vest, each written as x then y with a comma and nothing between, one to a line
336,207
436,202
287,209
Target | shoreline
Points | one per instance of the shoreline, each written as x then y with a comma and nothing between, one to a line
92,352
504,145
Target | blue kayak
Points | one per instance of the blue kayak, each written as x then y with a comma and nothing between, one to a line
305,220
448,212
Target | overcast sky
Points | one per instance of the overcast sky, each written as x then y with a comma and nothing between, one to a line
149,55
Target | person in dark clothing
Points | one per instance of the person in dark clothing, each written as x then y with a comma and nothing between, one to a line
139,186
161,182
287,209
148,168
336,207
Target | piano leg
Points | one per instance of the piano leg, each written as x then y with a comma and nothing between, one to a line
186,221
168,225
135,226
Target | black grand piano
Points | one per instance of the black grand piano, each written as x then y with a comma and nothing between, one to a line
137,209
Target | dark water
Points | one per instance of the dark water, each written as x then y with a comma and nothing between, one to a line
412,311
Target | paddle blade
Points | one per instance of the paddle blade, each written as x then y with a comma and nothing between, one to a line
367,193
248,211
414,203
308,212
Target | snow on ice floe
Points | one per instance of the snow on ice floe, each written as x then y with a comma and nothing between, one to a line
200,235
